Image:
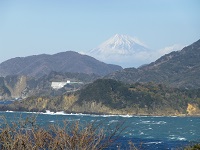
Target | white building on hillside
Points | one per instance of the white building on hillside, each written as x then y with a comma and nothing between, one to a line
58,85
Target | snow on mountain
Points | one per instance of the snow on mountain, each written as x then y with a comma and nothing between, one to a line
128,51
123,50
120,45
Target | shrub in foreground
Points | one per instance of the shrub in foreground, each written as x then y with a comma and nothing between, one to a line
193,147
26,135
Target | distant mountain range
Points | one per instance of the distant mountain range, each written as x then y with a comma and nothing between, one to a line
168,86
69,61
177,69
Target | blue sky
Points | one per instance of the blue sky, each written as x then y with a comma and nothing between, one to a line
30,27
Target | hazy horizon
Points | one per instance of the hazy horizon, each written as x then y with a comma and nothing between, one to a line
48,27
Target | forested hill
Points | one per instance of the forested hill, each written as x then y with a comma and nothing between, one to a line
149,96
106,96
69,61
177,69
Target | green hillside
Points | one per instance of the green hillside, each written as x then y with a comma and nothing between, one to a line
112,97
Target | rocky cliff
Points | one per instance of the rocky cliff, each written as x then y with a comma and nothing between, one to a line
16,85
12,87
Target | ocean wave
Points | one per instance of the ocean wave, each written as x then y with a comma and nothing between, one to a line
48,112
148,116
81,114
158,142
174,137
113,121
181,139
141,133
9,111
153,122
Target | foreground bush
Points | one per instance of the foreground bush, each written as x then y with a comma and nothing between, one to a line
193,147
26,135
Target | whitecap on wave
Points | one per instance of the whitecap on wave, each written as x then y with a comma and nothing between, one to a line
8,111
113,121
48,112
174,137
158,142
125,116
153,122
181,139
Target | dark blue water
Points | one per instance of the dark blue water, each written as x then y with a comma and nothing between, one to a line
6,102
152,133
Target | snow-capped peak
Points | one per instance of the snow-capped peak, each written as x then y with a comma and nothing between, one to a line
123,50
120,44
128,51
125,39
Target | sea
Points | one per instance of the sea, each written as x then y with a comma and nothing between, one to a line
145,132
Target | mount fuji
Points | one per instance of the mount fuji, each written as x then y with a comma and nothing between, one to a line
120,45
123,50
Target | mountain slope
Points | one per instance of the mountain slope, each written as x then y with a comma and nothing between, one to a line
179,69
69,61
123,50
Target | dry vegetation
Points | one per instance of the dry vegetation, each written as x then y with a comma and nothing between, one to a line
26,135
193,147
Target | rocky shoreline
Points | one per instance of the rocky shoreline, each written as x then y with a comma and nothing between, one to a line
124,113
